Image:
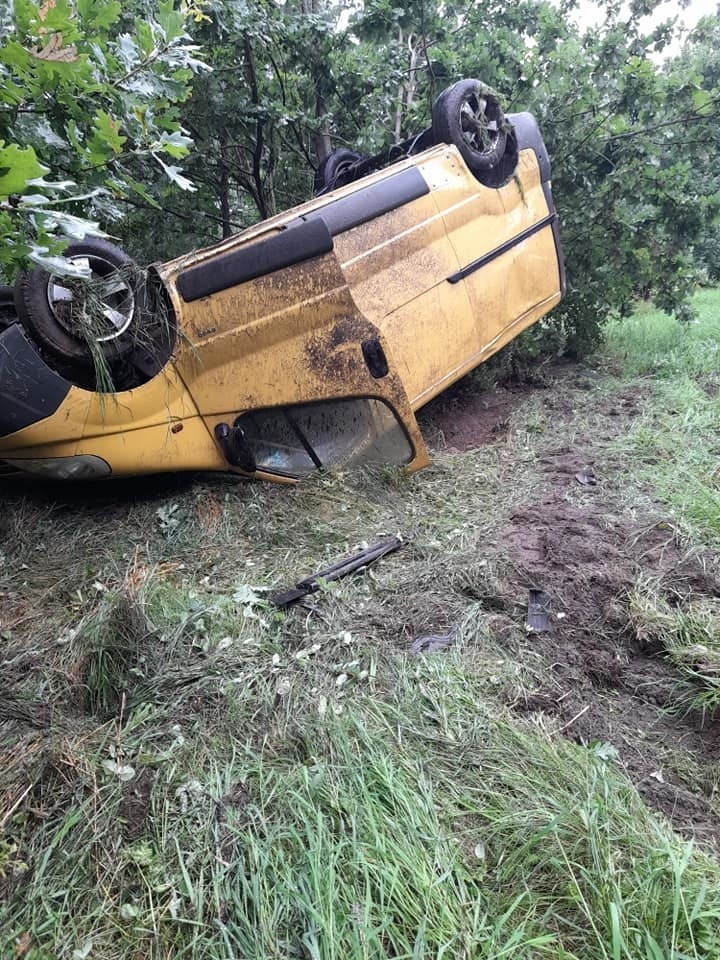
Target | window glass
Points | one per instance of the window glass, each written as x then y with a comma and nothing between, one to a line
299,439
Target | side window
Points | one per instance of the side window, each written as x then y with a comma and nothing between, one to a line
298,439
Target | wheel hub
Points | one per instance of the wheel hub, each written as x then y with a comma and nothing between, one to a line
99,308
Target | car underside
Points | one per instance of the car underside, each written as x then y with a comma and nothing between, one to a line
306,341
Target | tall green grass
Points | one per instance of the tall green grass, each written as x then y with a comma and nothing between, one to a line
652,342
674,448
394,838
690,633
418,821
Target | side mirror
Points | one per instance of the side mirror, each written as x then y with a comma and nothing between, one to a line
235,447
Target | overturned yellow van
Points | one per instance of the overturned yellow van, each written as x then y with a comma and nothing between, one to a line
305,341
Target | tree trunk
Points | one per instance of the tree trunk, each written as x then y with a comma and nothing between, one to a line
262,184
321,142
223,186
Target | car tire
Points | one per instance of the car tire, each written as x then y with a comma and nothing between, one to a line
8,313
334,169
469,116
44,305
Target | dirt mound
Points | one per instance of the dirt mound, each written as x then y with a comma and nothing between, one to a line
602,685
462,419
465,416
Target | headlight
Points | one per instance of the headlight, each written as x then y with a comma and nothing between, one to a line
83,467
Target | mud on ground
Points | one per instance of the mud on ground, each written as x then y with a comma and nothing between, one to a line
586,546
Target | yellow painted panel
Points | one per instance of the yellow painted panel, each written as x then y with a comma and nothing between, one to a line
149,449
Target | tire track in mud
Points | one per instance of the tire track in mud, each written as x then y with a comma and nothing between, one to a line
583,547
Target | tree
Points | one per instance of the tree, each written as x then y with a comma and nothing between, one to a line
259,118
631,139
89,98
697,70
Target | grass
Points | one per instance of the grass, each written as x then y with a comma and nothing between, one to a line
653,343
690,633
674,450
674,447
188,772
406,816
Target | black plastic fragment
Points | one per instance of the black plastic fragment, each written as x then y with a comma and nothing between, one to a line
29,389
538,611
337,570
433,642
586,477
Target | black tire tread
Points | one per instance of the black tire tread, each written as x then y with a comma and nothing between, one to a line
447,129
327,172
34,312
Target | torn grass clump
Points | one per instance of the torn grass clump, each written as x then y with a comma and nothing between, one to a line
689,632
125,322
115,657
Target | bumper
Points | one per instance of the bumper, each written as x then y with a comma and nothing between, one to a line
29,390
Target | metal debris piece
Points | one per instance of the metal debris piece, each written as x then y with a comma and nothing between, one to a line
586,477
538,611
340,569
433,642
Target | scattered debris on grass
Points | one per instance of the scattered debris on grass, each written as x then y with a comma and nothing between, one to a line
538,611
433,642
586,477
188,770
336,571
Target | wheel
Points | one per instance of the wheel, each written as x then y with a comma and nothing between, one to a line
469,116
335,170
77,319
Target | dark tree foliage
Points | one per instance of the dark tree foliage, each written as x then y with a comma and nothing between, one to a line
112,98
89,116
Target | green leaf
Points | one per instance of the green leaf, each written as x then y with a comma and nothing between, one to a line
128,50
141,191
176,144
171,21
100,15
652,948
17,166
702,100
56,17
175,175
109,131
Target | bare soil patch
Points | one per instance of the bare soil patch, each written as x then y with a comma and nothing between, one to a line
464,419
135,806
602,684
586,547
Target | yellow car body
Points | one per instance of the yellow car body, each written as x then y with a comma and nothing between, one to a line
313,337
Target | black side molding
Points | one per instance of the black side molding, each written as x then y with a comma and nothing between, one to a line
299,242
309,236
29,389
503,248
372,201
